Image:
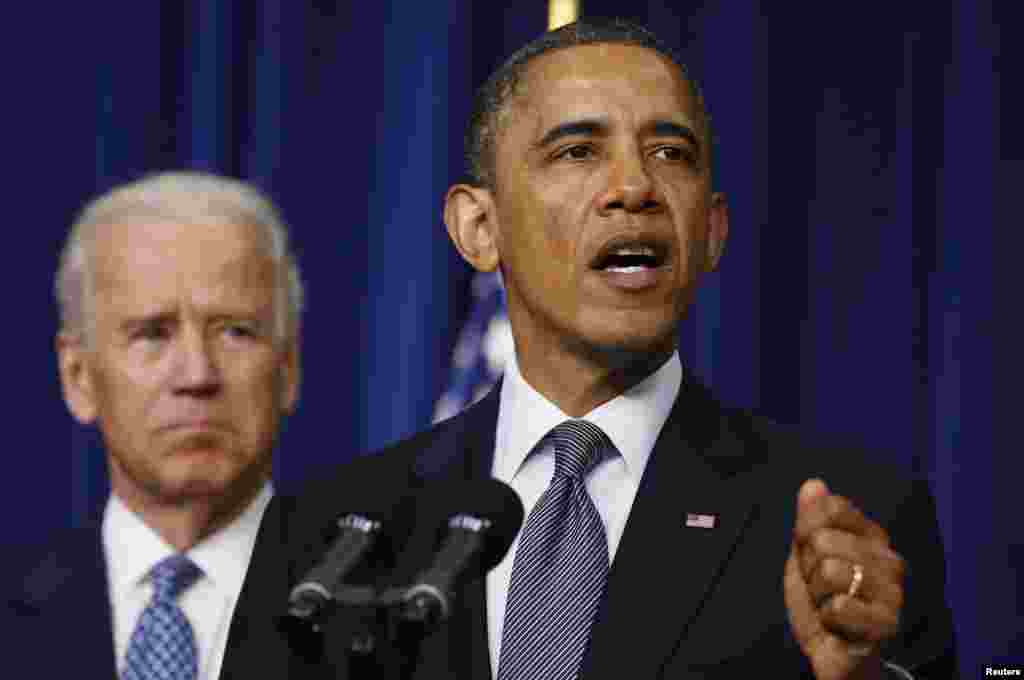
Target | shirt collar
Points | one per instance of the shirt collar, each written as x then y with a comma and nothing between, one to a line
631,420
132,547
224,555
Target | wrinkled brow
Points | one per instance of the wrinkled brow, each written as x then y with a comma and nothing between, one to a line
589,127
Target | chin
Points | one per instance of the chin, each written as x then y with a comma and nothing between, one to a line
625,349
632,334
201,472
192,487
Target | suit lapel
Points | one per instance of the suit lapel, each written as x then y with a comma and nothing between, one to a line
662,566
664,569
464,446
66,595
261,641
463,450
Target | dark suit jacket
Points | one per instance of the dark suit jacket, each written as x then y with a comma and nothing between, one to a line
680,602
59,620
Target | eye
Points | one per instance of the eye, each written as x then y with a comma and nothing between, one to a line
674,154
576,152
239,330
152,332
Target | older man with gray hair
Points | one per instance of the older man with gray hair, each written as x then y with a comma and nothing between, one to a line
180,304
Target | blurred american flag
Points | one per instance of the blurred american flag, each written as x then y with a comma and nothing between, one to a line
483,347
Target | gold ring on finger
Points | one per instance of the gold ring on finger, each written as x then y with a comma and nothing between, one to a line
858,579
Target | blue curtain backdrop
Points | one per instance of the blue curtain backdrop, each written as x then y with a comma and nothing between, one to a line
871,152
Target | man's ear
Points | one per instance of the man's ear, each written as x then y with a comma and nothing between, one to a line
469,214
291,374
76,378
718,231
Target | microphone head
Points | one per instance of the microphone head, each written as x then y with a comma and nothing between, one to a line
331,559
490,500
392,520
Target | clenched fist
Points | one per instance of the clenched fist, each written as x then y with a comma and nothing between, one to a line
843,586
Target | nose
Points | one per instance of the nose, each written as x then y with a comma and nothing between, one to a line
630,186
197,373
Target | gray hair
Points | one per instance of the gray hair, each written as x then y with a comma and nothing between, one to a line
189,197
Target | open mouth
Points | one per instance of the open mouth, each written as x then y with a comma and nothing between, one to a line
630,256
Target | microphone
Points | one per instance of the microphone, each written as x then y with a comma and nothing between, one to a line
482,519
369,537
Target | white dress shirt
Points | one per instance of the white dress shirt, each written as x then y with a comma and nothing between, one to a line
132,548
632,421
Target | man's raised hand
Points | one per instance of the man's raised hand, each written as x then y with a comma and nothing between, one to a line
843,586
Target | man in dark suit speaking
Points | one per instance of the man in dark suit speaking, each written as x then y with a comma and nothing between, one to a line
666,535
180,305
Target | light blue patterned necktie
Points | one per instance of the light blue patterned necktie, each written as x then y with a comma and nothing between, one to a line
162,646
560,567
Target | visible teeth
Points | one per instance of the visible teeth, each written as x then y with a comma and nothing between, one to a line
630,259
636,250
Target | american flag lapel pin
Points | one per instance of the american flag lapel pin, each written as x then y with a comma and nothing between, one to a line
700,521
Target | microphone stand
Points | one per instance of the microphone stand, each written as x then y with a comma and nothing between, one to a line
381,635
348,631
354,641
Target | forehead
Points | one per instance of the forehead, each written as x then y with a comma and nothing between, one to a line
612,80
161,259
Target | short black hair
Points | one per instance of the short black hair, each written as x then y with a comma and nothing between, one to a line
500,87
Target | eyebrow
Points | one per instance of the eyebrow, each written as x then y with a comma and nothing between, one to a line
584,127
666,128
595,126
254,318
133,324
